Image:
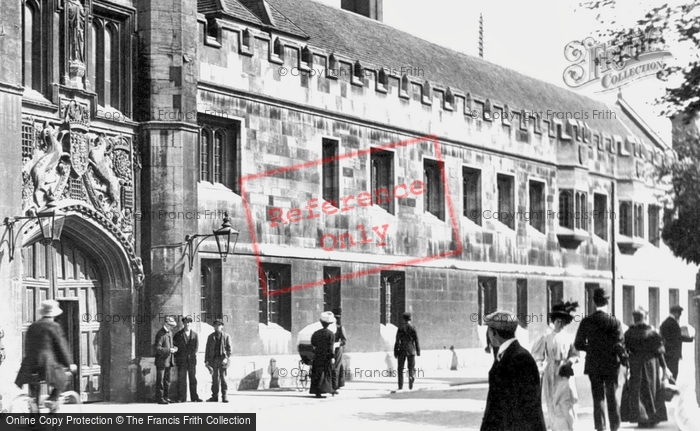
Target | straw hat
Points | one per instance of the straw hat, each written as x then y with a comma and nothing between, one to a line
327,317
50,308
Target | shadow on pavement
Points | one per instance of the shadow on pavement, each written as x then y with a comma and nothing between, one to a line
447,418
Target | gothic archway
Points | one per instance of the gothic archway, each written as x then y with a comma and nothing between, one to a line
91,267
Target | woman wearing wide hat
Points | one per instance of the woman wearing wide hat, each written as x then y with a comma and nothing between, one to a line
324,357
555,353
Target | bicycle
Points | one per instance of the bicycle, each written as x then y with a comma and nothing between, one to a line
303,376
26,403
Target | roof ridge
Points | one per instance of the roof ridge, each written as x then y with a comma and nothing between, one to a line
460,53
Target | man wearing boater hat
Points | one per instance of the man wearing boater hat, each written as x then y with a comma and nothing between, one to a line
46,353
514,402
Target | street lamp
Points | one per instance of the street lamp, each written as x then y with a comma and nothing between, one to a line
224,236
50,220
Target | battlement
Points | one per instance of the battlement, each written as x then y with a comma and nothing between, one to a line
285,67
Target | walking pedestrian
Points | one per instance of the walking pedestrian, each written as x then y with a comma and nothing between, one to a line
556,353
46,354
406,348
340,341
673,339
216,358
322,365
646,405
165,349
513,402
187,343
600,336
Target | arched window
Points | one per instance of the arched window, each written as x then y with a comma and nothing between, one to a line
107,58
205,141
31,50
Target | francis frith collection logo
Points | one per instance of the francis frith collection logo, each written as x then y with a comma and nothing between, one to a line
613,65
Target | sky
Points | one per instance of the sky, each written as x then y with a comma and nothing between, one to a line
526,35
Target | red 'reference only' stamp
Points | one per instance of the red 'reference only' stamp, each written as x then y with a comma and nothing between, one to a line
316,206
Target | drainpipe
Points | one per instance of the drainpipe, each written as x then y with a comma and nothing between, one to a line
613,252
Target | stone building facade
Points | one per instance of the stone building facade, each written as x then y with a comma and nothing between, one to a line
506,192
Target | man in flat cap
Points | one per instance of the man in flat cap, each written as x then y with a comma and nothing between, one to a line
340,340
216,358
600,336
165,349
187,343
673,339
514,402
406,348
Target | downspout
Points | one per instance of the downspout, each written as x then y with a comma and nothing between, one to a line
613,252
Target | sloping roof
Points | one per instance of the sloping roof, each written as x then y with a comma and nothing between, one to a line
638,127
376,44
252,11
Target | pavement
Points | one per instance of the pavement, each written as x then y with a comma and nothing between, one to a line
442,399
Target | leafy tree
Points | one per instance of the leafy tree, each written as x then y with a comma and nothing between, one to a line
680,25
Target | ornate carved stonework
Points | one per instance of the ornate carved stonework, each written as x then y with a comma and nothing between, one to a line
72,162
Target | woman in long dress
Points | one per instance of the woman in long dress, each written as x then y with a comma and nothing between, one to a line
646,358
555,354
324,356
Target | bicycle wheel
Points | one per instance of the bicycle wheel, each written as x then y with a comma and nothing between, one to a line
21,404
70,402
304,378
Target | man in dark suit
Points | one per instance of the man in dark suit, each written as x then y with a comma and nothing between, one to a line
600,336
514,402
164,359
216,358
673,339
406,347
46,353
187,343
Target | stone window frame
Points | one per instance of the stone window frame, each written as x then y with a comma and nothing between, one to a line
506,204
275,308
473,214
434,196
487,297
331,288
230,132
330,148
600,216
37,62
638,220
121,21
538,222
653,214
392,297
626,218
382,161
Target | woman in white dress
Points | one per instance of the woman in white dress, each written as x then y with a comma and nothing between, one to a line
555,354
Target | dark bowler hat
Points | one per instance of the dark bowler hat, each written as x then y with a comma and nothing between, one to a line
677,309
407,316
600,293
338,311
187,319
218,322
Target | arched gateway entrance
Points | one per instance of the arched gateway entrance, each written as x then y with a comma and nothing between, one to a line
88,272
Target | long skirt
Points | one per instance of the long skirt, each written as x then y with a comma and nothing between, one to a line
321,377
642,399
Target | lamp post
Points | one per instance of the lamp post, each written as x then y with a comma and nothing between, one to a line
50,219
224,236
